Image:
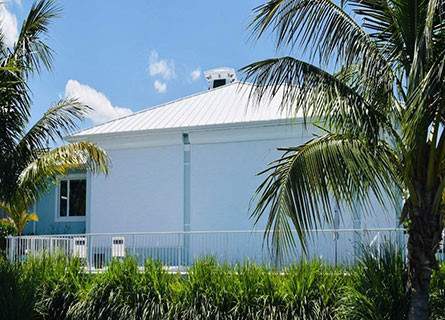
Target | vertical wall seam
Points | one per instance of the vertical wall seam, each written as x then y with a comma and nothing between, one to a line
88,203
187,164
186,195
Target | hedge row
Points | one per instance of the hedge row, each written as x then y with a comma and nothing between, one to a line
57,288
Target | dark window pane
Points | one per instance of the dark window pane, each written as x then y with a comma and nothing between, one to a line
63,188
218,83
77,197
63,200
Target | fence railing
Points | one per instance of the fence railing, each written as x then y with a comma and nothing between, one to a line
181,249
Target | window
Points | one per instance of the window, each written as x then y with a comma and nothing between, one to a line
72,198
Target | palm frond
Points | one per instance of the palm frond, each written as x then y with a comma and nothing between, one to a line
14,106
27,168
38,175
317,94
425,101
391,32
60,120
28,55
30,51
17,215
433,8
324,29
300,186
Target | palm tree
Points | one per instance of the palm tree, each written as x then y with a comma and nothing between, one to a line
27,166
18,217
371,73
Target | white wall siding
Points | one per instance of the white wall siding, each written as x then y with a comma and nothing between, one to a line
142,193
146,191
223,181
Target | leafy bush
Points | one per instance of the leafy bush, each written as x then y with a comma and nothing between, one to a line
15,301
23,285
113,294
313,290
123,292
437,297
58,288
305,291
5,230
259,293
207,293
376,289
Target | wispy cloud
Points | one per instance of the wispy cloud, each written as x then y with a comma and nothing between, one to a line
195,74
161,67
8,25
160,86
103,110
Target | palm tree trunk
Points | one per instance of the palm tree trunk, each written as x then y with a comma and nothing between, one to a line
424,238
419,288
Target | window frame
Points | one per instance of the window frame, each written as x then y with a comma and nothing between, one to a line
68,218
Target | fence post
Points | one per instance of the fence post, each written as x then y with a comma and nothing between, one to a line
50,246
443,246
33,247
336,234
378,244
89,250
134,246
11,243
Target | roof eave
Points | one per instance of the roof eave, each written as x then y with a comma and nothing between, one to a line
224,126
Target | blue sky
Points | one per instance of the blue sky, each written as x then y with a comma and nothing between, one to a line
113,54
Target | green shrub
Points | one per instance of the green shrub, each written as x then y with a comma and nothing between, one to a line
377,288
313,290
22,285
111,295
5,230
58,288
208,291
123,292
437,297
59,292
258,294
16,302
212,291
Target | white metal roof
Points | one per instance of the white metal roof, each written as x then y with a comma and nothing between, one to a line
226,105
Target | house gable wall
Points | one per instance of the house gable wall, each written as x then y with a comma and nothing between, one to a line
146,191
143,191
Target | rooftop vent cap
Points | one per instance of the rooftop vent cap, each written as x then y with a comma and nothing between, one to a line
220,77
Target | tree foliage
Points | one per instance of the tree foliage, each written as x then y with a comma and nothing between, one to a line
371,73
27,164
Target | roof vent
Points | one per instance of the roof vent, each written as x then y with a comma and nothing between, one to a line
220,77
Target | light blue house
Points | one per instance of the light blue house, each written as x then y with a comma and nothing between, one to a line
181,182
186,165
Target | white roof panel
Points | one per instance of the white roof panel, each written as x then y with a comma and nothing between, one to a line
224,105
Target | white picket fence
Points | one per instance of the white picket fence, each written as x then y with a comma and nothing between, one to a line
180,249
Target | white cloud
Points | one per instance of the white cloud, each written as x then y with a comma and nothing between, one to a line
160,86
8,24
195,74
161,67
103,110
